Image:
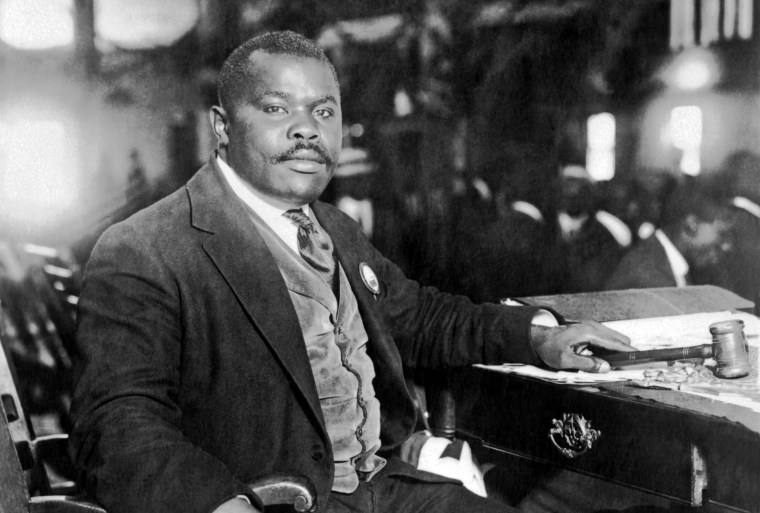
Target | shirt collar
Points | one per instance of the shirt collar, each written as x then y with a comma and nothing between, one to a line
268,212
678,263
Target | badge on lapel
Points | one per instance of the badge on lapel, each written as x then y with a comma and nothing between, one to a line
369,278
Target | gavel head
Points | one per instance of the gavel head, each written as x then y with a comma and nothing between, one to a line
730,349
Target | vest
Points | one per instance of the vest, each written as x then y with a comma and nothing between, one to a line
336,342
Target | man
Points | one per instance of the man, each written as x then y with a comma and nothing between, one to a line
220,341
506,254
739,176
694,239
592,240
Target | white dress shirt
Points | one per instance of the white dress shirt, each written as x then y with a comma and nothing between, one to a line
286,229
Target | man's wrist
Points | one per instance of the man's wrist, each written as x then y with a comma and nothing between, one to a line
545,318
543,321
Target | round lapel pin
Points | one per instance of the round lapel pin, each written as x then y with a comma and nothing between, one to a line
369,278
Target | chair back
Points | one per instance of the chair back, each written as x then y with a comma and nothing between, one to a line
25,485
15,447
14,494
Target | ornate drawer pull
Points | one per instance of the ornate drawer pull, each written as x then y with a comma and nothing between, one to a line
572,435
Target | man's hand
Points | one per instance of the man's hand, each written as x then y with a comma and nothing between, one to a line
571,346
236,505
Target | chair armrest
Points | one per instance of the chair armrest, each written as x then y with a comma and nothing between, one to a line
58,473
286,489
51,451
62,504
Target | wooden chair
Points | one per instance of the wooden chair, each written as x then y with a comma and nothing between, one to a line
36,475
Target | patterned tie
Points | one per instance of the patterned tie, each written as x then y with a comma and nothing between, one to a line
315,246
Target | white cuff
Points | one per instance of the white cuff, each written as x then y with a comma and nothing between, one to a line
544,318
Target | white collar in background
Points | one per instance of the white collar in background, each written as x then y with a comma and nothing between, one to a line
270,214
617,228
528,209
747,205
678,263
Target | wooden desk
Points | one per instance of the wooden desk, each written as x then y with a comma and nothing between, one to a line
685,448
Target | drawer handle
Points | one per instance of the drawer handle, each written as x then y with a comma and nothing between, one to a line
572,435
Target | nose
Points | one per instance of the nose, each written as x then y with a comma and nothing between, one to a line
304,128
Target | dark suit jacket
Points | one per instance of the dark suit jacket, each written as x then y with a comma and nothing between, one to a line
194,378
740,270
504,258
646,265
590,258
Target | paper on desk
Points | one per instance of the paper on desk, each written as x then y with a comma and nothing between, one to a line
567,377
682,330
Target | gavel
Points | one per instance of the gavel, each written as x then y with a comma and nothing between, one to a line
729,348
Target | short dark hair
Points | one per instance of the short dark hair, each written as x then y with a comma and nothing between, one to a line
236,67
694,199
740,174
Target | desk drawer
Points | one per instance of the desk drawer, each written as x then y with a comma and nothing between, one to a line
639,445
642,443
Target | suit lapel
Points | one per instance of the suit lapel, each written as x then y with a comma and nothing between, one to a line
345,248
242,257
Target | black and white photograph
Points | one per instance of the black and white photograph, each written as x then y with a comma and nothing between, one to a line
379,256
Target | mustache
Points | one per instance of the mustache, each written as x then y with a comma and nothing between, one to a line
323,156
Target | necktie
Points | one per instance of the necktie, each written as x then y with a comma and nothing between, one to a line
314,245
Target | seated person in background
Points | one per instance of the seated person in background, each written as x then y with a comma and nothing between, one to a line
739,176
592,240
507,256
694,238
240,328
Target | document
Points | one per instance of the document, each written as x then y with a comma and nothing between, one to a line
682,330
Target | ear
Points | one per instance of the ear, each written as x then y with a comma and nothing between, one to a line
219,125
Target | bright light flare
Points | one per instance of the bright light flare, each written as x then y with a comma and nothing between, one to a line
600,146
36,24
38,172
686,135
686,127
694,69
139,24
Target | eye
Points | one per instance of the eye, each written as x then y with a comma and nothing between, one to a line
324,113
274,109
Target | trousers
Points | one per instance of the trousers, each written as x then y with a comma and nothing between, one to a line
400,488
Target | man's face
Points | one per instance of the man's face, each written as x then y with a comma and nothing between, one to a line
284,131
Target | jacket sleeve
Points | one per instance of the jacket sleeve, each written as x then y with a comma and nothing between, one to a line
126,437
433,329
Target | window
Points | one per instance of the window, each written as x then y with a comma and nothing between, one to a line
600,146
37,24
38,172
717,20
686,135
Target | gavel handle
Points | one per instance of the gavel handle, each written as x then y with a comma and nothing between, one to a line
618,359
